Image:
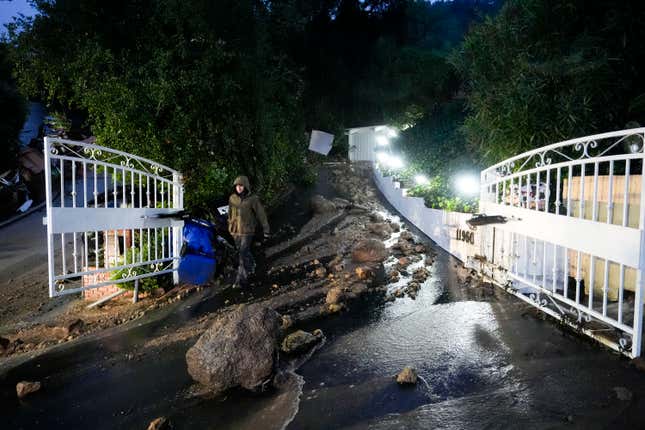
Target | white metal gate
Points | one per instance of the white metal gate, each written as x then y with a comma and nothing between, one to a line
108,217
573,242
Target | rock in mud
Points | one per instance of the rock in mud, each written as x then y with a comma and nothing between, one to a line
334,296
376,217
341,203
395,227
364,273
300,341
286,322
382,230
25,388
334,308
406,235
239,349
369,250
408,376
320,205
160,423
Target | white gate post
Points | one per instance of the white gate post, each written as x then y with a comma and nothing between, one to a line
48,219
178,204
637,336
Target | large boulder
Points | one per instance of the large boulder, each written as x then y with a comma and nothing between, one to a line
239,349
320,205
369,250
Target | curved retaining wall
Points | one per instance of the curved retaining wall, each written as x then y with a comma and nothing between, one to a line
448,229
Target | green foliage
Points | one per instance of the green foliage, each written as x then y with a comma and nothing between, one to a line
438,194
145,284
13,111
192,84
543,71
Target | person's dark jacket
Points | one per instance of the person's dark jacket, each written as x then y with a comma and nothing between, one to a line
245,211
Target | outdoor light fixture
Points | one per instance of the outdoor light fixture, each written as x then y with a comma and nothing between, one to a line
396,163
421,179
467,185
391,132
389,161
382,140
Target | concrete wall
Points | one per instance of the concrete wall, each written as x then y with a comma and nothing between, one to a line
441,226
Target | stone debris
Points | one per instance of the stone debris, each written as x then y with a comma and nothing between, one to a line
408,376
237,350
300,341
160,423
24,388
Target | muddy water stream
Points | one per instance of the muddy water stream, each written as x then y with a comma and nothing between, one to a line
483,362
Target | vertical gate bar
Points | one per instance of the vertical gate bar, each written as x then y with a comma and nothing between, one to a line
116,248
135,294
95,194
163,196
626,195
555,268
49,200
565,278
519,191
547,191
105,188
125,196
62,183
544,265
536,196
638,299
504,192
592,278
140,191
594,212
621,290
526,256
148,192
605,288
610,203
62,246
75,250
578,267
534,260
96,205
148,244
557,192
528,191
154,194
582,205
115,192
569,191
132,192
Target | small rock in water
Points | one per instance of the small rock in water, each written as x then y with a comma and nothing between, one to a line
408,376
334,308
300,341
24,388
160,423
369,250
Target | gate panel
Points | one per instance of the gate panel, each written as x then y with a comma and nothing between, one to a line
109,217
573,243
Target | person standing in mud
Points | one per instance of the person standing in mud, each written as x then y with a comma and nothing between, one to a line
245,212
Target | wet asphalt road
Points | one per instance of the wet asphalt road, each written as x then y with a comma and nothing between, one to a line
485,359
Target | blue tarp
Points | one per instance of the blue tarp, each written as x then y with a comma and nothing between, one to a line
198,263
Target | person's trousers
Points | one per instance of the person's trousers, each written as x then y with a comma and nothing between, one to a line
246,264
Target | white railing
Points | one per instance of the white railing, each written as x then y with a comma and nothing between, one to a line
573,243
108,216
